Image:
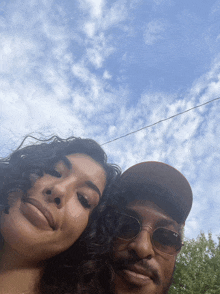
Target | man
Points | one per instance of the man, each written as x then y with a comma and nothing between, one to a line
157,200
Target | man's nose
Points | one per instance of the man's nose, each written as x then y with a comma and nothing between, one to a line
142,244
59,193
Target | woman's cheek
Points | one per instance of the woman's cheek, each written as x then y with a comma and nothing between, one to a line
74,225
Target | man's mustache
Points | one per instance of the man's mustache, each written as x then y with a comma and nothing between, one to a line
122,263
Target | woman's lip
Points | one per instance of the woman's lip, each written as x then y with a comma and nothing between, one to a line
46,213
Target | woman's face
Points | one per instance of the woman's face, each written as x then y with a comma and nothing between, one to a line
55,211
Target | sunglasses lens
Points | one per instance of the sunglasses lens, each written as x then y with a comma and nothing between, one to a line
167,241
129,227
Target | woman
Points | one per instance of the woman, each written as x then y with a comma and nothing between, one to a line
49,192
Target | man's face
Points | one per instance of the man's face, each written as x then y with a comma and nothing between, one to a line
140,267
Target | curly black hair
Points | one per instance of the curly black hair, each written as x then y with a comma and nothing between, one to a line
73,270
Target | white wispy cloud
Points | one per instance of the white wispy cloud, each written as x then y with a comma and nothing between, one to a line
95,7
154,31
98,41
47,89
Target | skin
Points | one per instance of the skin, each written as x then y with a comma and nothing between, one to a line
70,199
149,271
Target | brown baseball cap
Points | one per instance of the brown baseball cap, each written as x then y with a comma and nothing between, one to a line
161,184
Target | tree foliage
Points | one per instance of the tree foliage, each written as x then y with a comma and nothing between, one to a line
198,267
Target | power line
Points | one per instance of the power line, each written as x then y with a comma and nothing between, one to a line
160,121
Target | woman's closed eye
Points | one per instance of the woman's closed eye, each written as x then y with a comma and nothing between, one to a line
84,201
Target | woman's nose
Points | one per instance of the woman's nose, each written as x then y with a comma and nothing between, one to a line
58,193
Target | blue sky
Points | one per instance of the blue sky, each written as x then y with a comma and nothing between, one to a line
101,69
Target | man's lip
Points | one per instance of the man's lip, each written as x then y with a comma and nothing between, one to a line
43,210
140,270
137,276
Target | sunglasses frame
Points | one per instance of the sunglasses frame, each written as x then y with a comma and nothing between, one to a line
151,235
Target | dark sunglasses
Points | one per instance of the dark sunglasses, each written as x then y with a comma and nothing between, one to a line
163,240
